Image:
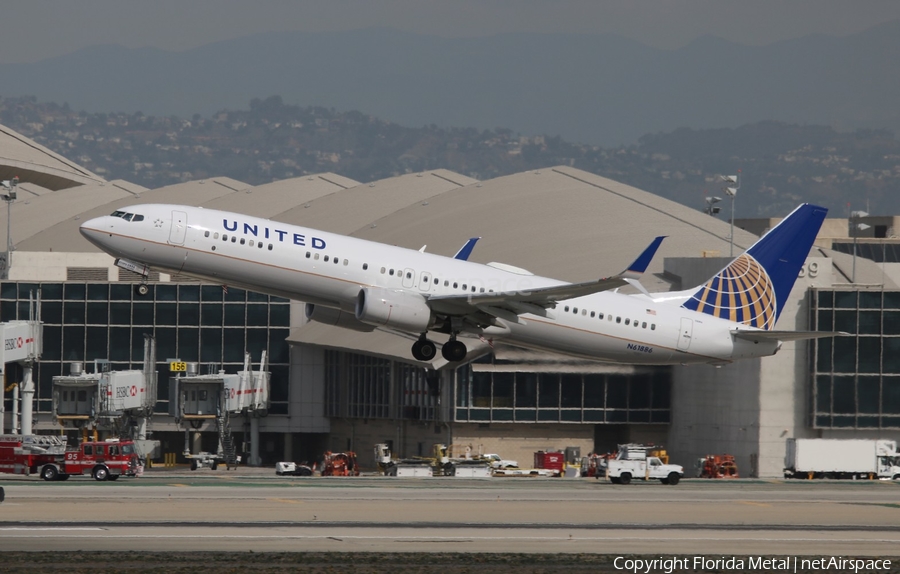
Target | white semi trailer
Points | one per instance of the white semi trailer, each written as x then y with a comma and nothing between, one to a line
841,458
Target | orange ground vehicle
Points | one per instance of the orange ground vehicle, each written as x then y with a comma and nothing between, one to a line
340,464
719,466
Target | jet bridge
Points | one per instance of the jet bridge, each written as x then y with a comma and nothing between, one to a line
117,402
200,402
22,344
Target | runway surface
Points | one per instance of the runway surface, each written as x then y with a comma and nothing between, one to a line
222,511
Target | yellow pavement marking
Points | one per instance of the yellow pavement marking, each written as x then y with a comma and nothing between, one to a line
285,500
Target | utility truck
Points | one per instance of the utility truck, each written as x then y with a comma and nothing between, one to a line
633,463
841,458
498,461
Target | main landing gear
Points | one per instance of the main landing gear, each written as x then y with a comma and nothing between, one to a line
454,351
425,350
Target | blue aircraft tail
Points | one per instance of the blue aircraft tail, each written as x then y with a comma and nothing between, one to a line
753,288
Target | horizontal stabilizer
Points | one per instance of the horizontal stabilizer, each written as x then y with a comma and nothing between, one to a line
757,336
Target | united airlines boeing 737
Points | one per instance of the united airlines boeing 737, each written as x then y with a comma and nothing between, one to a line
363,285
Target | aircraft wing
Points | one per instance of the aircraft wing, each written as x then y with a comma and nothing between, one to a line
756,336
510,304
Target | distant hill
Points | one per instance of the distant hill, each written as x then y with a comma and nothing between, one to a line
781,164
596,89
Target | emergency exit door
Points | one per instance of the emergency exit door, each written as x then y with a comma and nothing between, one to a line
685,335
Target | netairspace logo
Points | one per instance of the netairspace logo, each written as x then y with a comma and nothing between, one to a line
743,564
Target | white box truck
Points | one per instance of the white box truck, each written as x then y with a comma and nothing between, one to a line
841,458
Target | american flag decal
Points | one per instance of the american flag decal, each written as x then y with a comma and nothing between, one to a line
742,292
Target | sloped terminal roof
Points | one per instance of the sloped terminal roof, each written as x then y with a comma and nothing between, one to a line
35,212
271,199
32,162
559,222
324,201
363,205
64,236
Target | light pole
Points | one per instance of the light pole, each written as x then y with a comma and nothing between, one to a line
10,185
855,227
732,192
711,208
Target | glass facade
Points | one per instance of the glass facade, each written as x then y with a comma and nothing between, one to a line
513,396
880,252
192,322
856,378
360,386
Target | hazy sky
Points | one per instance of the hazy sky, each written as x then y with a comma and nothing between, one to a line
36,29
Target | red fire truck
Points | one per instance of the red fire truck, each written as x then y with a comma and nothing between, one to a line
48,455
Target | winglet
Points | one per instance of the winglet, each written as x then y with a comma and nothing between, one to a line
466,250
640,264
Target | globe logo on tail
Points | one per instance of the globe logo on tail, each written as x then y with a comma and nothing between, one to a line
742,292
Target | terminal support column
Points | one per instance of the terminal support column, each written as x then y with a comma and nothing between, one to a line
27,399
254,441
14,426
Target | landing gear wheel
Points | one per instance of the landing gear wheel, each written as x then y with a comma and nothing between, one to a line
424,350
193,464
454,351
142,289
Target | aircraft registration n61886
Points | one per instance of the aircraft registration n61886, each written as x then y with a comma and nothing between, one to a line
363,285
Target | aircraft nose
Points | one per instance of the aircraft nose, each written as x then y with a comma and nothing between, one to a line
92,229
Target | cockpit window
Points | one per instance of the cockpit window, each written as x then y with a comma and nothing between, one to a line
127,216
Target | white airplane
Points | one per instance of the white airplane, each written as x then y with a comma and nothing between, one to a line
363,285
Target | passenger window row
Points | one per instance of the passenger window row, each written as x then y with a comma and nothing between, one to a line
234,239
636,323
337,260
327,258
436,281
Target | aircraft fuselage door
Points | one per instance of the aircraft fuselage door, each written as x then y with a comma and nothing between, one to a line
409,278
425,281
684,336
179,228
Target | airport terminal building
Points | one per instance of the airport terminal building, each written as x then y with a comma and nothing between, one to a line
335,389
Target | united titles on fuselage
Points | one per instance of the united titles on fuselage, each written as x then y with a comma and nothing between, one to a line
254,230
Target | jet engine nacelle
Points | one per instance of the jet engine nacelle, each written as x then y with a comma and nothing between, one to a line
395,309
336,317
